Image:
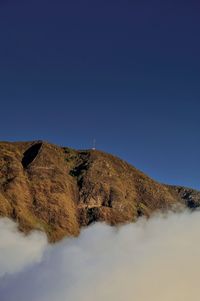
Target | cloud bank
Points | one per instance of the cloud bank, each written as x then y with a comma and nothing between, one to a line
154,260
18,251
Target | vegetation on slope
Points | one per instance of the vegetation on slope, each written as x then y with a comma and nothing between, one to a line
59,190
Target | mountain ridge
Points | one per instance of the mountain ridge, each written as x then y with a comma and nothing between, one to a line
59,190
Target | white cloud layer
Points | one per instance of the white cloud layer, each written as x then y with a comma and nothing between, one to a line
18,251
154,260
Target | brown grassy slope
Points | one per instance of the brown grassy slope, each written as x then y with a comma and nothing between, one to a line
113,191
39,195
58,190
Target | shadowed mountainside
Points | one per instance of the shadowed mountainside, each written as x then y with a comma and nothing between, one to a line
59,190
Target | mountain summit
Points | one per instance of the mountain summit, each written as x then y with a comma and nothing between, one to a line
59,190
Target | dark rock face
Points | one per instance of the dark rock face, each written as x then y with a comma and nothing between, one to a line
59,190
190,197
30,154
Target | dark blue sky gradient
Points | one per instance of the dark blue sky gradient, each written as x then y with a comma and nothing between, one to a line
125,72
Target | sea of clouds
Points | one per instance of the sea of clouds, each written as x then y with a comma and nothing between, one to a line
151,260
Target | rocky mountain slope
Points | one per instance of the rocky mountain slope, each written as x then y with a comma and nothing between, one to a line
59,190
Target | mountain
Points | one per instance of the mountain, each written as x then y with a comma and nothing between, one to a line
59,190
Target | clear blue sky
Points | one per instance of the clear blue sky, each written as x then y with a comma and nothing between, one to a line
124,72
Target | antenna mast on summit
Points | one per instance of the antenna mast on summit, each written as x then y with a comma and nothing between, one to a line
94,145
